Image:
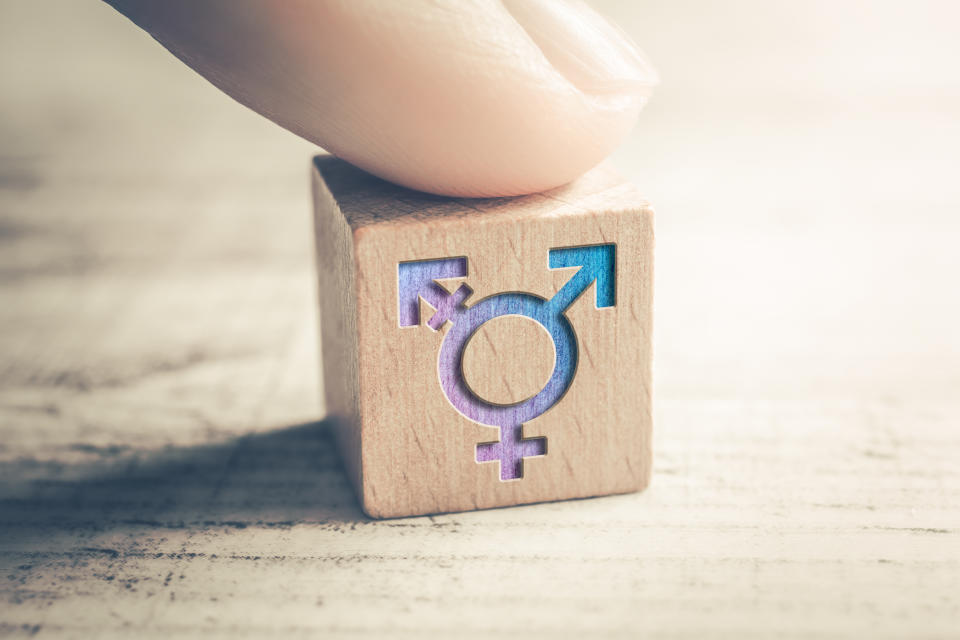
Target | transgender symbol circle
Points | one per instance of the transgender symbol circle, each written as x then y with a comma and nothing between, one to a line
417,280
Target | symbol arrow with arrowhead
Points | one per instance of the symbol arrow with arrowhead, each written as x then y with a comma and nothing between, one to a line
597,262
416,280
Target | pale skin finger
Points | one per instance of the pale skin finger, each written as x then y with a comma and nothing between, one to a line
467,98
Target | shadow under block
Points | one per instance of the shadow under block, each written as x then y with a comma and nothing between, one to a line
482,353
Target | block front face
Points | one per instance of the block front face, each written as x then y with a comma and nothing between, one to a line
503,346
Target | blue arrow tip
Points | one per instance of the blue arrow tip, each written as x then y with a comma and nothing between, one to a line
597,262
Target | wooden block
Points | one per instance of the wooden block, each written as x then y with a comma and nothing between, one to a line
481,353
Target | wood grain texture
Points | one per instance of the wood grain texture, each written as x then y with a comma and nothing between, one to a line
165,470
417,452
509,359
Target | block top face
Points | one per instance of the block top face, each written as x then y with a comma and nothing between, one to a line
365,200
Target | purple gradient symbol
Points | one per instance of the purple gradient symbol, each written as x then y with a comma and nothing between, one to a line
417,280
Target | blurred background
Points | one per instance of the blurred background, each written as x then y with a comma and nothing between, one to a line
157,295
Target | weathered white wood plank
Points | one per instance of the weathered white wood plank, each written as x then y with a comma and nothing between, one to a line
163,466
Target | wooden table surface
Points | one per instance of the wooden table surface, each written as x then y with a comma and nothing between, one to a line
164,466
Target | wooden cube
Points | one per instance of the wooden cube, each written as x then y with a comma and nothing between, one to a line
482,353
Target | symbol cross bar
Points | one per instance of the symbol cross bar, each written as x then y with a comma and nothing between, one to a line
511,450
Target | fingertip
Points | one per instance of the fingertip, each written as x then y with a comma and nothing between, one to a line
475,99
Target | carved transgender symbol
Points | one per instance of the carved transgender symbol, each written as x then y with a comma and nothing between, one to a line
418,280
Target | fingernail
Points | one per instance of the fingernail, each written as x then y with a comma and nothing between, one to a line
592,53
